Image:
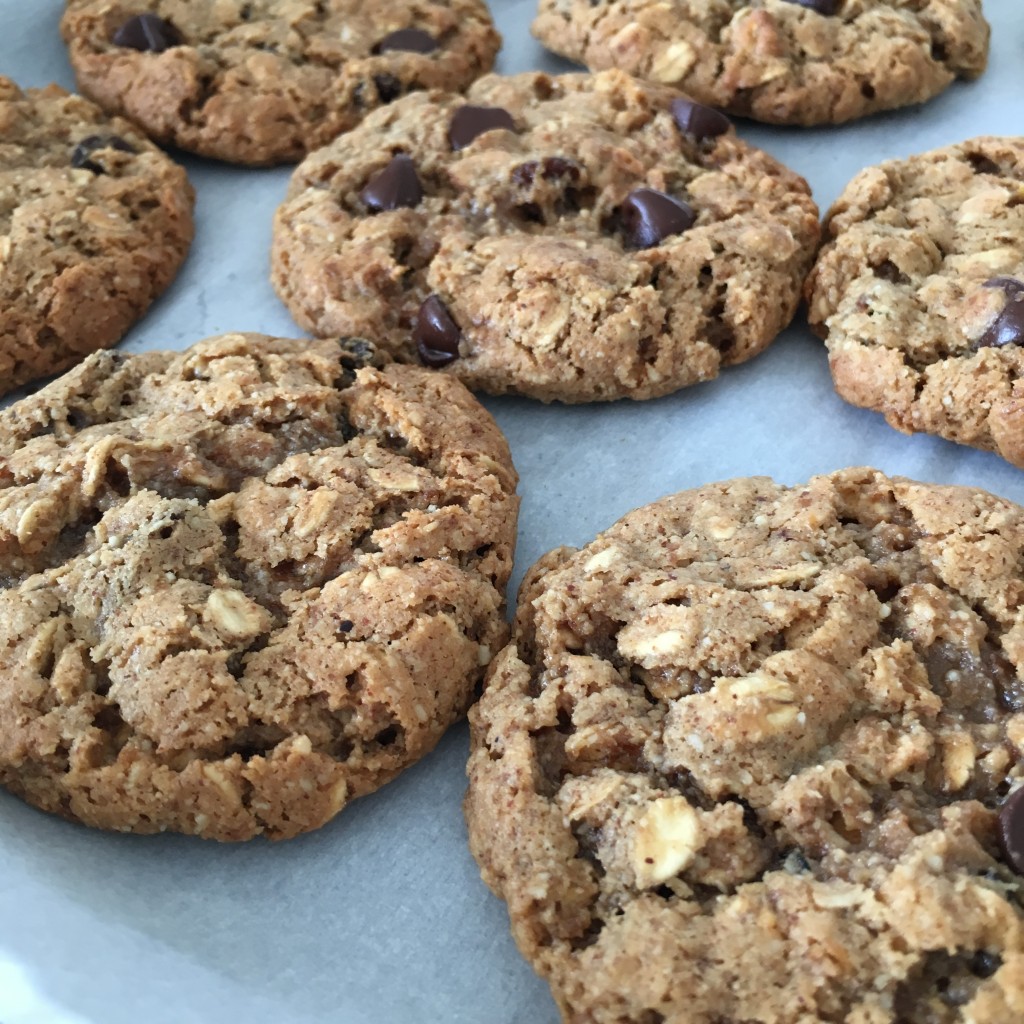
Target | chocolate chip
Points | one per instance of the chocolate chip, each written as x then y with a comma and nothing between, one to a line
398,185
649,217
436,334
1008,326
346,626
1011,830
388,87
82,153
698,121
469,122
149,33
551,168
984,964
407,40
821,6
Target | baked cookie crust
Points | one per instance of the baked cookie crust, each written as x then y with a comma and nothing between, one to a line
266,81
802,62
749,757
919,293
602,238
243,584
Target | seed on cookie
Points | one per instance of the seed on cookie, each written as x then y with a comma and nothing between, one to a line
148,33
469,122
436,334
396,186
649,217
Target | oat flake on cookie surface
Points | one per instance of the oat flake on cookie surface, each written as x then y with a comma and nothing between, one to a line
573,238
802,62
242,584
266,81
756,756
919,293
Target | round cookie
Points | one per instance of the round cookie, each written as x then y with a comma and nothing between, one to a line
919,292
243,584
782,61
584,237
266,81
94,223
747,758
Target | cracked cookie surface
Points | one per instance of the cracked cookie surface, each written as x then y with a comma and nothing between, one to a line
244,584
746,759
919,292
94,223
521,235
266,81
781,61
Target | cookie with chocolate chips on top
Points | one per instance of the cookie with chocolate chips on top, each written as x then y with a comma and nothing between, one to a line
243,584
266,81
94,223
757,754
919,293
575,238
782,61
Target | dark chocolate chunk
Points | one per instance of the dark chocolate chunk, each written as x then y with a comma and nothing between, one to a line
436,334
81,156
397,185
1011,830
388,87
648,217
469,122
984,964
149,33
346,626
1008,326
821,6
551,168
407,40
698,121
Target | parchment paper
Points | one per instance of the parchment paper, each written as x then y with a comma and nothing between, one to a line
381,918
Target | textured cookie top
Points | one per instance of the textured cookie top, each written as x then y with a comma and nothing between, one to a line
782,61
919,291
745,759
575,238
94,223
266,81
238,585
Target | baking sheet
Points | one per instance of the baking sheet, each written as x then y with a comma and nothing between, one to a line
381,918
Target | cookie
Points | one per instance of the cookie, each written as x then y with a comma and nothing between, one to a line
576,238
919,292
94,223
243,584
266,81
757,754
800,62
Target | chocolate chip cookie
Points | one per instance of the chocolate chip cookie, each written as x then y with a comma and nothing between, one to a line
919,292
94,223
585,237
243,584
266,81
757,754
782,61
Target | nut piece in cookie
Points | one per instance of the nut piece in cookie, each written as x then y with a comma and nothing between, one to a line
919,293
803,62
757,754
267,81
94,224
579,238
242,584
